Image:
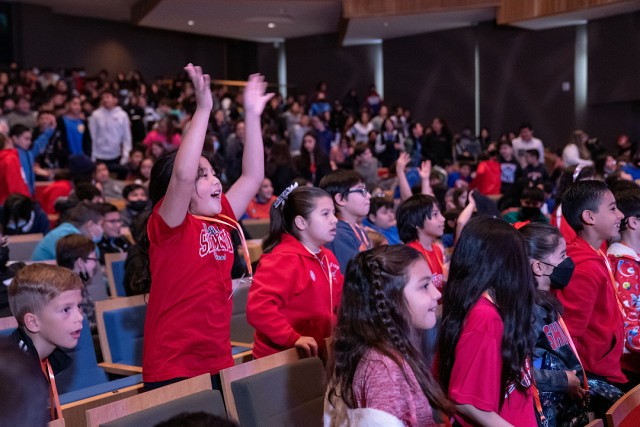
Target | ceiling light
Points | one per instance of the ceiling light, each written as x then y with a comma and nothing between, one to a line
190,22
271,25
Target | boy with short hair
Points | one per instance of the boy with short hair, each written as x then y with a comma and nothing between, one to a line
45,300
85,218
351,200
592,313
137,202
112,240
534,171
382,219
625,262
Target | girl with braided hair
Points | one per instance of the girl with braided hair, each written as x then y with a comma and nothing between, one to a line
486,337
379,374
296,290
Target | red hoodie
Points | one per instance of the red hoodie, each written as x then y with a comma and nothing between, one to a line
291,296
11,177
592,313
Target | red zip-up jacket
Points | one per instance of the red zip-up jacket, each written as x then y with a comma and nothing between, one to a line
592,313
291,296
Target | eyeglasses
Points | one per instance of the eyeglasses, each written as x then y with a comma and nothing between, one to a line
362,191
91,259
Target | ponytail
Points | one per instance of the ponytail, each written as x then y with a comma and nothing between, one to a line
294,201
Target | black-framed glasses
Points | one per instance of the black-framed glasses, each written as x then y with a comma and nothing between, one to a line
91,259
362,191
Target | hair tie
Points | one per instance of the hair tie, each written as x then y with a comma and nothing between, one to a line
283,196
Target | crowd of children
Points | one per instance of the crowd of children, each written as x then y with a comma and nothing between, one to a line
463,280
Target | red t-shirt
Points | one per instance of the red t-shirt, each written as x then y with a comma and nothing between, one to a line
435,259
293,294
475,378
188,323
487,179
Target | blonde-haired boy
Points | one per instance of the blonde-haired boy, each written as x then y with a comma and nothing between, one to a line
45,300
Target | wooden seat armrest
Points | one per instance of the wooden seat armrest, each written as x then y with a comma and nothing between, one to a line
120,369
241,344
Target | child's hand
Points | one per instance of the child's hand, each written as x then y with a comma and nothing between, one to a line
574,387
201,86
402,162
425,169
308,345
254,95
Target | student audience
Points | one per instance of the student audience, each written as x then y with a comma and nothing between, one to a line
515,312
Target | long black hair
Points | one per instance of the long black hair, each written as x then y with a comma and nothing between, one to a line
491,256
374,315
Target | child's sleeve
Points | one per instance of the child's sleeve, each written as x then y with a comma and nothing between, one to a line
273,286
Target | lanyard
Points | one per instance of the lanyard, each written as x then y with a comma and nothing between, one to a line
230,222
536,393
364,241
613,282
327,273
575,351
54,400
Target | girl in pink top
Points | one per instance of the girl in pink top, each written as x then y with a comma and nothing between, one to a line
378,372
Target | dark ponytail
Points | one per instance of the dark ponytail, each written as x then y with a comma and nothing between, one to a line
301,201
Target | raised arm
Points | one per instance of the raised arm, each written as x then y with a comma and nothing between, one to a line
403,183
185,169
425,177
246,187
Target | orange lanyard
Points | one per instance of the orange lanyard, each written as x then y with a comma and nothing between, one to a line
54,400
364,241
575,351
230,222
613,282
326,272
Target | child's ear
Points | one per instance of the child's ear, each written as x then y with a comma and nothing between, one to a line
632,223
587,217
300,223
32,323
536,268
339,200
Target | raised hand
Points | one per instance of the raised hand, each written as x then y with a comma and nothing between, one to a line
255,97
425,169
402,162
201,86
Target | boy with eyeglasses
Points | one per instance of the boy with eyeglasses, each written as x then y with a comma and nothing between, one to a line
351,200
112,240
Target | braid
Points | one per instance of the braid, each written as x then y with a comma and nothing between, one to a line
382,308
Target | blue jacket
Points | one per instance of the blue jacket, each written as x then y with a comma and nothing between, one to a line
46,249
28,157
346,245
